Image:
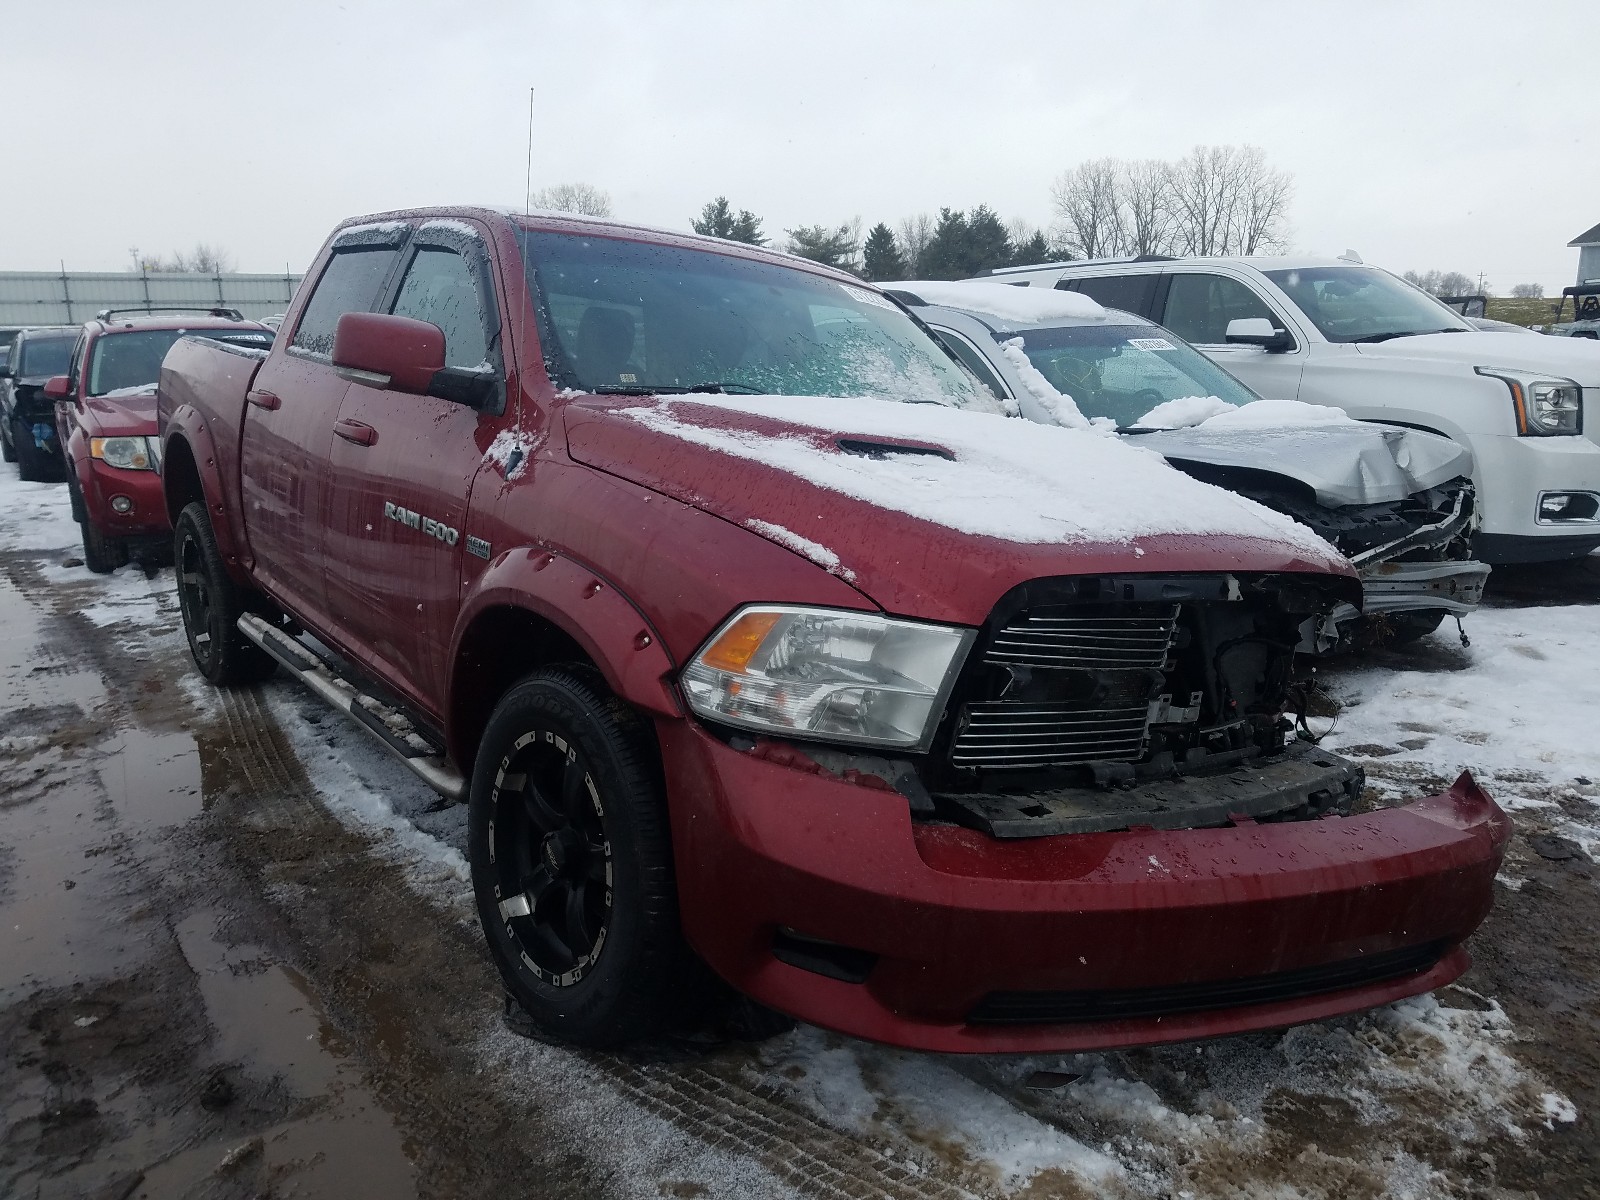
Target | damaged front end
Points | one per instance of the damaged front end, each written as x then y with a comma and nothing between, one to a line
1104,703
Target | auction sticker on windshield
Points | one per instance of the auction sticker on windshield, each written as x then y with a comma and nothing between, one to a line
1150,343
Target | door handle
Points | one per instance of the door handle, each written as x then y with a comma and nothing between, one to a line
355,431
266,400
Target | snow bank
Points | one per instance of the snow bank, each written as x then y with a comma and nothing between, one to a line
1263,413
1007,302
1012,480
1185,411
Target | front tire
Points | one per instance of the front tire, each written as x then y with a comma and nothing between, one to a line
101,554
32,463
572,862
8,451
211,605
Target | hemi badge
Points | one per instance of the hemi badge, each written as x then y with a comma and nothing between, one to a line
476,545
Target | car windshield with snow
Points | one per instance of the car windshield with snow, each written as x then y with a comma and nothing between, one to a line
1398,502
628,316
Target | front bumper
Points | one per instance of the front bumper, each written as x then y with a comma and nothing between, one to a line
1513,473
1455,587
103,484
1208,931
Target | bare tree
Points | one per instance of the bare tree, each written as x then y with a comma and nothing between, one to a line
1146,200
204,259
1226,200
914,234
1443,283
582,198
1528,291
1087,199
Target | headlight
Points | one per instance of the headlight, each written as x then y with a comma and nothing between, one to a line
827,674
129,453
1543,405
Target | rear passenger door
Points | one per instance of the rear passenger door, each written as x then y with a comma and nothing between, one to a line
403,467
288,423
1132,293
1198,306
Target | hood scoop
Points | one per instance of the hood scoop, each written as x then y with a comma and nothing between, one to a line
882,448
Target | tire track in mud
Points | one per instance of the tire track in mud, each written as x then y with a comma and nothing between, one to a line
718,1108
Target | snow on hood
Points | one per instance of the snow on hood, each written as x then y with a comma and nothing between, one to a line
1571,358
1344,462
1263,414
1011,480
1004,301
1183,412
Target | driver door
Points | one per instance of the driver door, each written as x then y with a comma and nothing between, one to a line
1198,307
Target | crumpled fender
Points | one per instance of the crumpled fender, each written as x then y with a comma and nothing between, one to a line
187,423
587,607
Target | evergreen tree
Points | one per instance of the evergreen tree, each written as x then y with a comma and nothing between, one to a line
882,258
946,254
717,219
1034,250
988,244
835,247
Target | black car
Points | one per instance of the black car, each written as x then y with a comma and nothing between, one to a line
27,415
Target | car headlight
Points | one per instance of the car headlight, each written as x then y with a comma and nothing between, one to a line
1543,405
827,674
129,453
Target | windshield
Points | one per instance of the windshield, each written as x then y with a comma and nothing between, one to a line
623,316
133,360
1363,304
1123,371
44,356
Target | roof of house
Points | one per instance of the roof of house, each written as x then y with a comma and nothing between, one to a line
1590,238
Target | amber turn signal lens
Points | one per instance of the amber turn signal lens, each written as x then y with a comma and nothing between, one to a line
738,643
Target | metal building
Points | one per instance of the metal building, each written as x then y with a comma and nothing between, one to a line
68,297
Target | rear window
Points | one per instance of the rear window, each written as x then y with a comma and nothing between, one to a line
1130,293
44,356
132,361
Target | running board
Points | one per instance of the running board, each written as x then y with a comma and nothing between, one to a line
388,724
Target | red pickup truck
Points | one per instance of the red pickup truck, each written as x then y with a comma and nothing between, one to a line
757,638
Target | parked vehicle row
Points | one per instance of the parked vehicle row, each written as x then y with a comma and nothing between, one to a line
1354,337
765,646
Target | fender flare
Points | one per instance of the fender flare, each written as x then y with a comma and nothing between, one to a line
588,608
186,424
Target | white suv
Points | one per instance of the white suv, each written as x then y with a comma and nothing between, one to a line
1356,337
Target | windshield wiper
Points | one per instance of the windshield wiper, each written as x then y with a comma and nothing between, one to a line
1384,337
672,389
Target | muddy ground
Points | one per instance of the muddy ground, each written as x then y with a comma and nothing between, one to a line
236,960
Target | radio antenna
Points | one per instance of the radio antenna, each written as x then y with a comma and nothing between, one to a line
527,191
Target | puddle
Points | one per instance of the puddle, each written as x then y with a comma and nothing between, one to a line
152,778
269,1026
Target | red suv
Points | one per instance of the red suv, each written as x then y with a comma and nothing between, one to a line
106,419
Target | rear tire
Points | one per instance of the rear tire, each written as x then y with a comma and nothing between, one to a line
572,862
32,463
212,605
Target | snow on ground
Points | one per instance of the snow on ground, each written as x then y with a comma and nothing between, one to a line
1517,708
1235,1117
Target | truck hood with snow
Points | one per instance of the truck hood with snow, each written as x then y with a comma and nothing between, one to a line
1348,463
127,412
1578,360
934,512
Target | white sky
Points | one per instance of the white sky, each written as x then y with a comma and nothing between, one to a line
1460,136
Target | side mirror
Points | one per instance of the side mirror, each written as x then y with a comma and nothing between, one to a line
58,387
1258,331
385,351
401,354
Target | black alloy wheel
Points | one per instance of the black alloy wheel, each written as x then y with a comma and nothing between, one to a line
552,864
211,605
572,861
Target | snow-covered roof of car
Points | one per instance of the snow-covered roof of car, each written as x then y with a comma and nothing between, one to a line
1005,307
